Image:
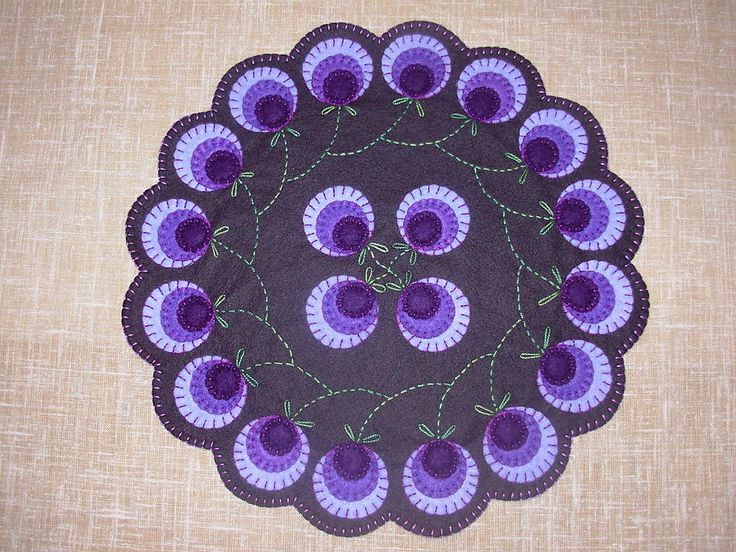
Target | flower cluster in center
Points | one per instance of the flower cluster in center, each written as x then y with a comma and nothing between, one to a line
342,311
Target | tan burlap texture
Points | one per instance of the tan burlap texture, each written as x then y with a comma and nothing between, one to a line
87,91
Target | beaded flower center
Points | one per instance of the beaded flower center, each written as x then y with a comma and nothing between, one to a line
278,436
482,103
421,301
508,431
424,228
541,154
194,313
223,381
222,167
572,215
341,87
192,234
580,293
416,80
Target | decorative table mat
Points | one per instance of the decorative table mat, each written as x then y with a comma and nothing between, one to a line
386,278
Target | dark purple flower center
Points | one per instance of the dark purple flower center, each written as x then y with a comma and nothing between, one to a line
508,431
222,167
580,293
355,299
416,80
350,233
340,87
557,365
440,459
572,215
420,301
194,313
223,381
424,229
193,234
541,154
272,111
482,103
352,461
278,436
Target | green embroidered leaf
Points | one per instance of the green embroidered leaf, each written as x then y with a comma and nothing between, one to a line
304,423
215,252
529,356
275,139
459,116
371,438
546,207
483,411
250,379
361,257
428,432
513,157
474,129
523,176
547,337
378,287
407,278
378,247
504,402
247,174
546,228
450,430
393,286
401,246
413,258
287,409
328,110
239,357
293,132
551,297
368,274
221,230
351,110
234,188
222,322
420,109
220,300
399,101
556,273
349,432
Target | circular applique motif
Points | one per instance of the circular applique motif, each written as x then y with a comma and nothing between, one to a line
385,279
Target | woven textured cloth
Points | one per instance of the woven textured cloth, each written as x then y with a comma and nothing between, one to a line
88,88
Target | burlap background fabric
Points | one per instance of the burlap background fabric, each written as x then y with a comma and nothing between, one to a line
87,91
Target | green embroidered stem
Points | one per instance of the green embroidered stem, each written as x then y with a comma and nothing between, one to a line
477,167
423,144
519,258
263,321
388,269
391,398
257,222
335,393
503,206
376,140
252,269
283,179
290,364
324,153
468,366
521,313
